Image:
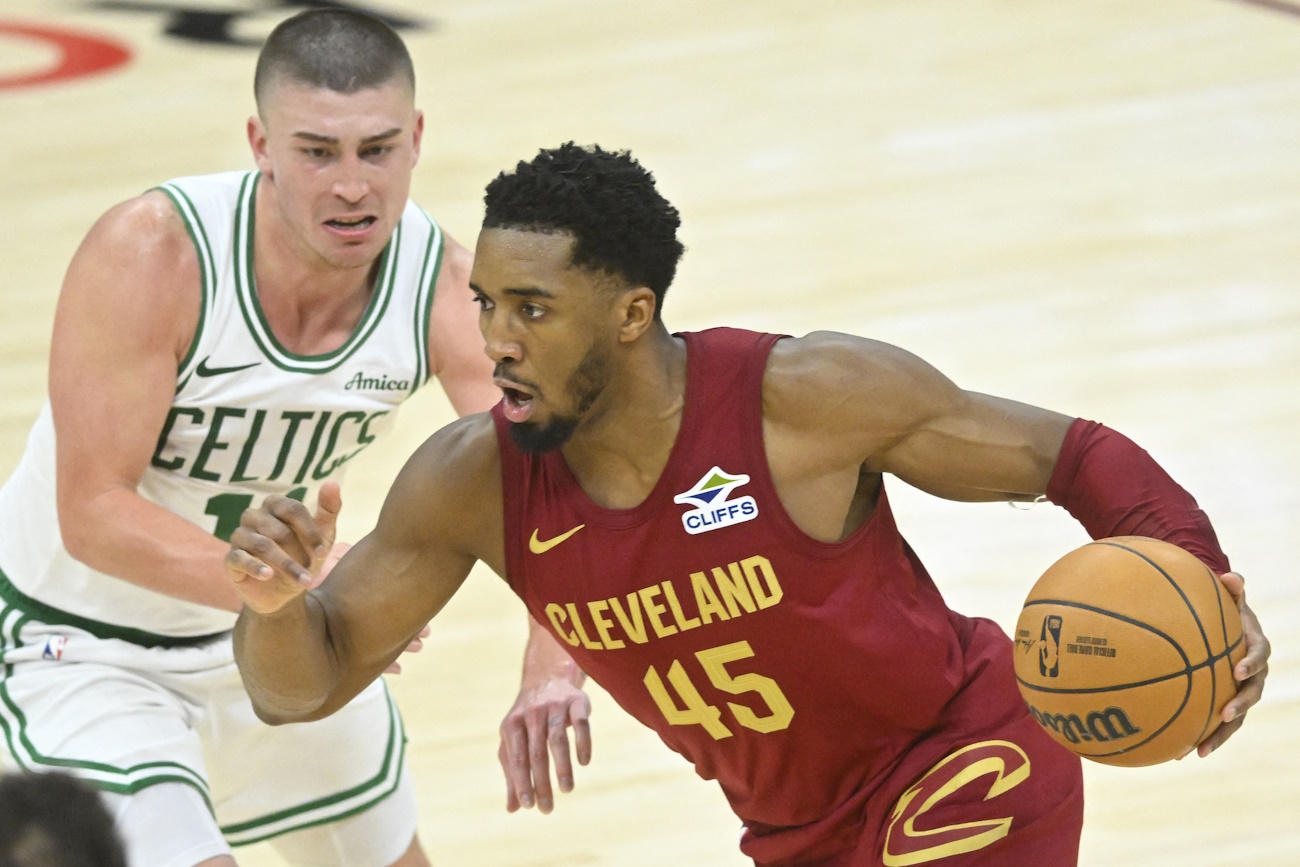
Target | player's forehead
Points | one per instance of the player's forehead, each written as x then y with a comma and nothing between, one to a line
518,258
289,103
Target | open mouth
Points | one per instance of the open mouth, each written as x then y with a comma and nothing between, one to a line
351,224
518,404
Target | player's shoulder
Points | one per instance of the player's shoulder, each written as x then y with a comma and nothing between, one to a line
459,458
833,359
454,259
826,372
457,262
144,227
452,482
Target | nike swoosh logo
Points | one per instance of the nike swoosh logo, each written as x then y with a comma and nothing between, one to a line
205,371
537,546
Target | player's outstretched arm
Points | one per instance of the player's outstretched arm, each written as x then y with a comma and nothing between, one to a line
305,650
550,702
873,409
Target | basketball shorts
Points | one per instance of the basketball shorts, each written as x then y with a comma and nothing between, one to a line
986,788
132,718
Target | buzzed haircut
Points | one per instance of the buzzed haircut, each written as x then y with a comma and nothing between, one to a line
620,223
336,49
55,820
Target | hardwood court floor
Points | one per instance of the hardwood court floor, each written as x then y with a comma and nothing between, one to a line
1090,206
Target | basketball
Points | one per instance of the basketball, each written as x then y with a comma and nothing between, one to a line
1125,649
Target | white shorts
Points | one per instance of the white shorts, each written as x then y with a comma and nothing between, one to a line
131,717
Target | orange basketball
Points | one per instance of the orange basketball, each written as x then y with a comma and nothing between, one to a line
1125,649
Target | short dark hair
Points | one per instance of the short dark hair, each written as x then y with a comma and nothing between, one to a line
620,223
55,820
337,49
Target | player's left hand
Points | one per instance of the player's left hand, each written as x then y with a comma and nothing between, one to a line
538,721
1249,672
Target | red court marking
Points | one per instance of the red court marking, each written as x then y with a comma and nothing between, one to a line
80,54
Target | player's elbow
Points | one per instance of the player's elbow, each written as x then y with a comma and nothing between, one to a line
277,711
83,518
77,530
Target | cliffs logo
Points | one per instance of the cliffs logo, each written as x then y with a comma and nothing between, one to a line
713,510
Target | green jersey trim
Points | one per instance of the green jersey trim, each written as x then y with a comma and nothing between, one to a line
260,329
110,778
207,264
38,610
424,302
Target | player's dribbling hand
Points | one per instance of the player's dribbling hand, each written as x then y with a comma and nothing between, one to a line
1249,672
538,722
280,550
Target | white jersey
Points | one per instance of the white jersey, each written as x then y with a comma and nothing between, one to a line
249,418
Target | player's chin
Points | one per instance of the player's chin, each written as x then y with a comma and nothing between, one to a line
354,255
539,435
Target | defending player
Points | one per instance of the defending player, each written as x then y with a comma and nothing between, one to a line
701,518
219,339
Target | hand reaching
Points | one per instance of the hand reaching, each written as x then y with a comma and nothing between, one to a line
280,550
538,721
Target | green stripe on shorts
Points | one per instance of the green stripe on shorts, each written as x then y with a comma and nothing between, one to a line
331,808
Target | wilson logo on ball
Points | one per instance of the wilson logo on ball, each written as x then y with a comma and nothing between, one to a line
1111,724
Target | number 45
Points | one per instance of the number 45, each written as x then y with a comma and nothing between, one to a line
698,712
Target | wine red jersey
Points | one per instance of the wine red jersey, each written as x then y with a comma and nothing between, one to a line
795,672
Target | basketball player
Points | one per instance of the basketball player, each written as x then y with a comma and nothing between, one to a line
701,519
219,339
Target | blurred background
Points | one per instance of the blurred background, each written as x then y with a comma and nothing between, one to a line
1088,206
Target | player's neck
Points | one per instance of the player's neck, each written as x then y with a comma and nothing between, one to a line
622,447
311,305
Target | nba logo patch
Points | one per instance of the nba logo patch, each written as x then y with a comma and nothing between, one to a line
54,647
1049,650
713,510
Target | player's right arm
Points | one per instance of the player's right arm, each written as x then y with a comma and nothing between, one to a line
127,312
305,650
840,410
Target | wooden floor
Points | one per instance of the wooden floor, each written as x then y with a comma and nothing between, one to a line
1090,206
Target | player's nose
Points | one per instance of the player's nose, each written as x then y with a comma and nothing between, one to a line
350,183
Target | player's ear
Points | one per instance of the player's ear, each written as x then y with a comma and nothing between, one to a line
637,309
418,136
257,142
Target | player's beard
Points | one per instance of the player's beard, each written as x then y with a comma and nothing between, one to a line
585,385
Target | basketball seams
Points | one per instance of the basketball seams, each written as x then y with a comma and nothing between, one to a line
1227,652
1123,618
1196,617
1205,638
1187,670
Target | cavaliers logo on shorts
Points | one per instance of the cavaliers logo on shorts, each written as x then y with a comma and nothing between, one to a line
964,786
